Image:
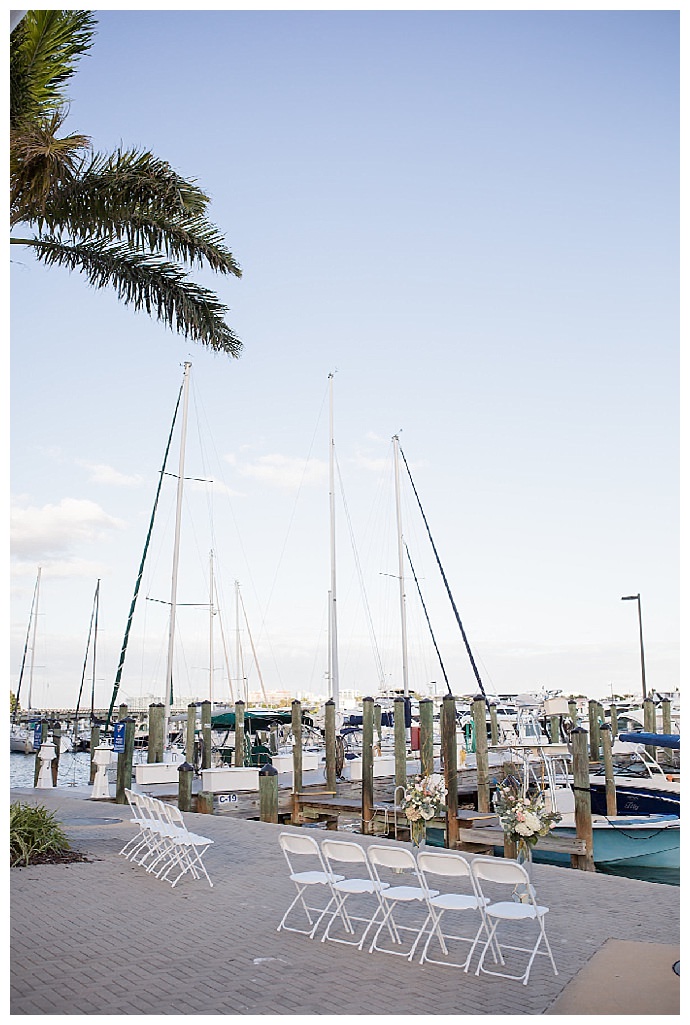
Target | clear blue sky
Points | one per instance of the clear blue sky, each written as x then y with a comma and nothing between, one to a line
473,216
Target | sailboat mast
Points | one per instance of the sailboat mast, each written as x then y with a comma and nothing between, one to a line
256,661
242,686
94,611
401,564
332,617
210,636
26,647
95,637
33,639
176,551
225,655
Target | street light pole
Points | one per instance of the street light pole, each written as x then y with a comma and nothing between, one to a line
636,597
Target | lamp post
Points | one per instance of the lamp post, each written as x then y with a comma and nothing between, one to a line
636,597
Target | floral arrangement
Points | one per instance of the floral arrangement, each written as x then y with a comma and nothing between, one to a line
422,801
523,818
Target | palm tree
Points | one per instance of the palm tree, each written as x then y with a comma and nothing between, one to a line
125,219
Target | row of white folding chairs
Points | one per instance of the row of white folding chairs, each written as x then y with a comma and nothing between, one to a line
163,844
390,877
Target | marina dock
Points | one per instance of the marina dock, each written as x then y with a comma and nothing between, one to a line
104,937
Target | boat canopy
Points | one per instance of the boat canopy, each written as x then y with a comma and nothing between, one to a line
258,719
671,740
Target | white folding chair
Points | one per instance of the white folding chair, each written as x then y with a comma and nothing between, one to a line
458,895
356,884
162,853
301,845
142,839
512,915
187,850
394,862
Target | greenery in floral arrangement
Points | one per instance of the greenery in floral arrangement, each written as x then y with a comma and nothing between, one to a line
34,833
423,801
523,818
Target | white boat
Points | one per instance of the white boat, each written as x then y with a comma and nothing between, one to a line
648,841
21,740
643,787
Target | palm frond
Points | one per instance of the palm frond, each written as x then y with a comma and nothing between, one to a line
40,163
131,180
45,49
147,283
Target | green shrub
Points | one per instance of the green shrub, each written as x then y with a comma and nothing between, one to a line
34,831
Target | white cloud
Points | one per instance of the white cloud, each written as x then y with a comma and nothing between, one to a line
217,487
59,568
50,531
101,473
364,462
283,471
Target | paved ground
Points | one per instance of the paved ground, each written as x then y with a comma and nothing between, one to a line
106,938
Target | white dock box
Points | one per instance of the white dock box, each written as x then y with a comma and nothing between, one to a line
226,780
157,772
284,763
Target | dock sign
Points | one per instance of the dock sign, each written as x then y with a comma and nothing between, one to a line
37,736
118,738
227,798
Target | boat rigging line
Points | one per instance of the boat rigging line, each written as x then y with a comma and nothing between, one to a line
428,621
93,626
118,675
360,577
33,615
445,581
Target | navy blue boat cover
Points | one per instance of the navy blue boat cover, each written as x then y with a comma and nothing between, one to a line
652,739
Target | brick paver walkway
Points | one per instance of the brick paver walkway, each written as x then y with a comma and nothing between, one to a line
106,938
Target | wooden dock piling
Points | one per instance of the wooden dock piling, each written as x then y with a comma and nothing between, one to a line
367,764
377,724
184,788
156,743
93,744
426,736
204,802
329,714
594,738
268,793
649,719
206,733
611,808
583,800
482,753
449,748
239,734
124,763
296,758
400,740
613,712
190,735
493,714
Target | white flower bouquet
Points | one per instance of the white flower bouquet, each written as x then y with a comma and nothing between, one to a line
423,801
523,818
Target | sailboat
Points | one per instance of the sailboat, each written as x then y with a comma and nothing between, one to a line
82,738
21,738
183,397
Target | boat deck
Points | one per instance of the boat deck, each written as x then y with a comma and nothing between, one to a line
122,954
